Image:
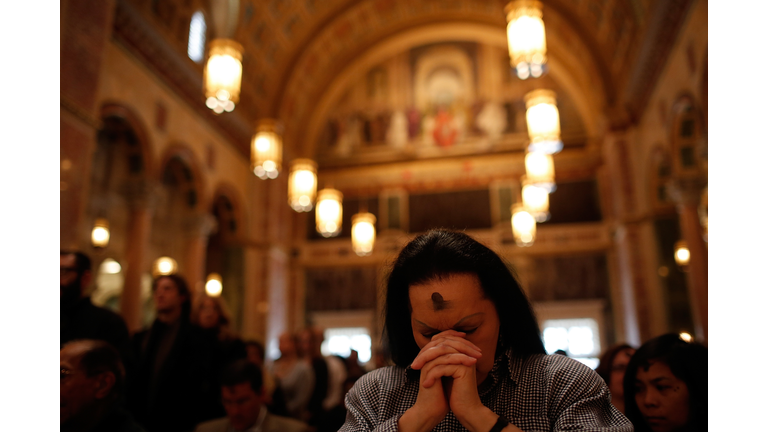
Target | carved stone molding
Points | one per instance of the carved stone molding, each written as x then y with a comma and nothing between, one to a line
141,194
686,191
199,225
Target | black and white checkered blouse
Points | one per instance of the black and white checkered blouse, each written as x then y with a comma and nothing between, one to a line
540,393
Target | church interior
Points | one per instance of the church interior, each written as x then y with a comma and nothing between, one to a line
410,115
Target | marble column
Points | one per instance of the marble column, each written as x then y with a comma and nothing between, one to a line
197,227
686,193
142,198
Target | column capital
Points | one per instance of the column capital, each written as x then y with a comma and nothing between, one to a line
199,225
686,191
141,194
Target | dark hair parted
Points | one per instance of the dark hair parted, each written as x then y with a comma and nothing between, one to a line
183,288
606,361
100,357
439,254
241,371
687,361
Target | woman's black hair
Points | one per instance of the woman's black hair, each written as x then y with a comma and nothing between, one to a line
606,361
687,361
442,253
182,287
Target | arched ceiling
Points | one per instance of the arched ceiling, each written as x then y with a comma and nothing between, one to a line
294,49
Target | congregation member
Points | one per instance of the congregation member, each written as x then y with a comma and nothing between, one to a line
79,317
242,394
613,365
468,353
91,387
273,394
326,410
175,374
212,315
666,386
294,377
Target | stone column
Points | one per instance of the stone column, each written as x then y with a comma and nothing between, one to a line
86,27
141,197
197,227
686,193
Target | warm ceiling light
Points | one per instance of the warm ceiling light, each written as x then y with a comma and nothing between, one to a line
543,120
100,233
222,75
213,286
540,170
526,38
685,336
302,184
328,212
523,226
110,266
682,254
363,233
267,149
164,266
536,201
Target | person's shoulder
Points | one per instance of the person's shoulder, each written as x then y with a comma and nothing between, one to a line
383,378
276,423
215,425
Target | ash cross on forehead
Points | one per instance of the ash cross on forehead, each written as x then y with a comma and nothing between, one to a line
438,303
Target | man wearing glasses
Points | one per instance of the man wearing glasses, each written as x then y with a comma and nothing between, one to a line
81,319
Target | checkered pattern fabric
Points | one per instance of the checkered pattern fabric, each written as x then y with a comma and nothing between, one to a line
540,393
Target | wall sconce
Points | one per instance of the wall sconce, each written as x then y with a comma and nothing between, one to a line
213,286
363,233
328,212
523,226
526,38
682,254
543,120
222,75
540,170
536,201
302,185
100,233
267,149
164,266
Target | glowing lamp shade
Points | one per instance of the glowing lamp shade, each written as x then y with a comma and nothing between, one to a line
540,170
100,233
267,149
526,38
523,226
302,185
543,120
536,201
164,266
213,285
682,254
363,233
328,212
222,75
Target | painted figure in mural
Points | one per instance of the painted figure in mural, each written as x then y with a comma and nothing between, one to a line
468,353
666,386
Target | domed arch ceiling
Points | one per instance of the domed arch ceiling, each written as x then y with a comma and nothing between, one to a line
298,47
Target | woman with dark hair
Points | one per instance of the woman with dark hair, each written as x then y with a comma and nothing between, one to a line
467,352
665,386
613,364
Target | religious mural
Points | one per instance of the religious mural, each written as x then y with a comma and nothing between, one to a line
430,100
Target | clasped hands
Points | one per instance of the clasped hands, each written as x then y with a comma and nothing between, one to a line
448,381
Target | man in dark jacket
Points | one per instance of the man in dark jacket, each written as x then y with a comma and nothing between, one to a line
174,375
81,319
